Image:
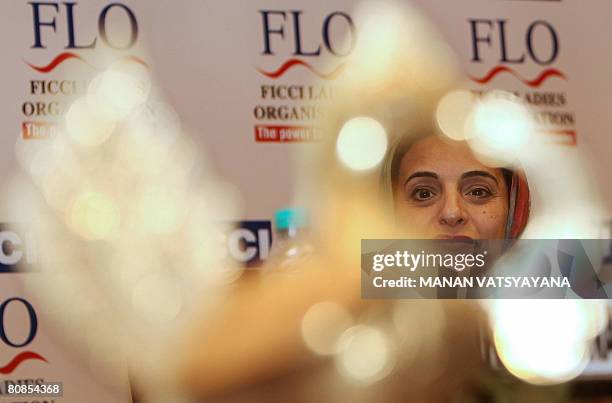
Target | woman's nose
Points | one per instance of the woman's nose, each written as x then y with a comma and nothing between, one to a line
452,213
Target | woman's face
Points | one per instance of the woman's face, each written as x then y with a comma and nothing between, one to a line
443,191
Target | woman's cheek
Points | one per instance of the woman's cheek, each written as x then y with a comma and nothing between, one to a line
416,219
491,221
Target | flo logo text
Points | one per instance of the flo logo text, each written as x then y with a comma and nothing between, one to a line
45,19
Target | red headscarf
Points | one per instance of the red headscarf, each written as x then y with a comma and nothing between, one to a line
519,205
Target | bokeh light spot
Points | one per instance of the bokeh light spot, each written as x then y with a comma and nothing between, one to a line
362,143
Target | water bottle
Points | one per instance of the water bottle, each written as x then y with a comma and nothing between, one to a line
292,244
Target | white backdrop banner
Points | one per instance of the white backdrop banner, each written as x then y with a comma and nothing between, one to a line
239,75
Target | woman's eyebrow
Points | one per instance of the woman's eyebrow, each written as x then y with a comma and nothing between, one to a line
421,174
470,174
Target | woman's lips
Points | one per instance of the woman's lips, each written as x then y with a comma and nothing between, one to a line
455,237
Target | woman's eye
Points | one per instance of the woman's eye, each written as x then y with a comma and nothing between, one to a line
480,193
422,194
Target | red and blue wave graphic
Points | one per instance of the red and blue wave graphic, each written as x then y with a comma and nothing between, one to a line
536,82
57,60
20,358
291,63
64,56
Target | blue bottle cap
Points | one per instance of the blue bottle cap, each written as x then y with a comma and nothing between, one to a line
290,218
